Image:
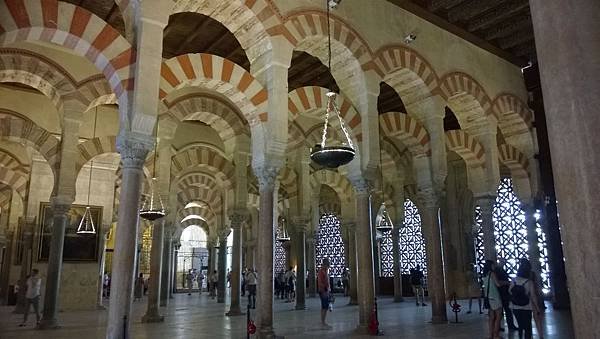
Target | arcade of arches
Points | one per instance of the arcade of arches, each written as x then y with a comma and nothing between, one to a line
210,108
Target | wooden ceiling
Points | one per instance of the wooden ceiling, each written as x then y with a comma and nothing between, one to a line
502,27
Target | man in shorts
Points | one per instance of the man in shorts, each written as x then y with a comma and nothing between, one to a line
324,290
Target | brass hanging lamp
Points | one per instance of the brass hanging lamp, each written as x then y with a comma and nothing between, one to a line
282,233
153,208
86,224
332,156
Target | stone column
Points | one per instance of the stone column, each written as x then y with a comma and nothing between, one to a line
364,253
165,282
237,219
351,227
174,259
433,244
566,36
250,250
101,266
300,225
397,271
532,237
6,265
266,182
222,266
156,253
133,154
27,226
60,220
312,282
487,225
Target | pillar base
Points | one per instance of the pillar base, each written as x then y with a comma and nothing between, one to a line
268,333
48,324
234,311
300,307
398,299
352,303
153,318
437,320
100,307
362,329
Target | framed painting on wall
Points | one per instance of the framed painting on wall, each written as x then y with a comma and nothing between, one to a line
77,247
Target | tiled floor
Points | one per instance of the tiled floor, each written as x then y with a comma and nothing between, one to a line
201,317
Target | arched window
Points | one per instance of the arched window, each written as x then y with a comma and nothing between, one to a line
330,244
193,252
279,264
510,232
412,243
386,254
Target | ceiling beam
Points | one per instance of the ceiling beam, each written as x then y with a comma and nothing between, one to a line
470,9
526,49
504,11
518,38
111,12
507,27
196,31
437,5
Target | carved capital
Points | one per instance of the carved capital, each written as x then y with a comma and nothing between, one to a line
266,176
362,186
223,234
133,150
486,203
60,205
427,197
237,218
300,223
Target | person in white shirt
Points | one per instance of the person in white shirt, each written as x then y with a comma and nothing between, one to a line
34,284
523,298
251,278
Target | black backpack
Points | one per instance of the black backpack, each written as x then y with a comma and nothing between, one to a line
518,295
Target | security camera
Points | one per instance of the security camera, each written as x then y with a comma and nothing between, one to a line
334,3
410,38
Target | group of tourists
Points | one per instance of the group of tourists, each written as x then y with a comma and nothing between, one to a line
249,280
519,297
211,282
285,285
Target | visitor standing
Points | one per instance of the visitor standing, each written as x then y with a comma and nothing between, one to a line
251,279
416,280
346,282
244,272
190,281
492,299
523,298
214,279
200,280
324,290
138,287
291,285
32,296
504,280
105,285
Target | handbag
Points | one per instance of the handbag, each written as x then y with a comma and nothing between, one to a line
486,299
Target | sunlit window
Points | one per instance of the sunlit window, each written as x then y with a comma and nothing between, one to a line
412,243
330,244
280,256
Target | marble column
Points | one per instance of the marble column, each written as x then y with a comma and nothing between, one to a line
60,220
222,266
133,154
397,271
165,274
312,279
567,44
300,225
532,237
266,182
250,250
435,266
487,225
101,266
174,262
6,265
27,227
351,227
237,219
156,253
364,253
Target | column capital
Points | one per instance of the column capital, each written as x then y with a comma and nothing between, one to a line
266,176
362,186
134,149
300,223
427,197
61,204
224,233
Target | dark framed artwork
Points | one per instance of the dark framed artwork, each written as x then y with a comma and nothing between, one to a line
77,247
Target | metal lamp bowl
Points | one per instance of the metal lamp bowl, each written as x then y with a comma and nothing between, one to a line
332,156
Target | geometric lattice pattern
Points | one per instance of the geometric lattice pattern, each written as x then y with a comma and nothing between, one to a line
510,233
386,254
330,245
280,259
412,243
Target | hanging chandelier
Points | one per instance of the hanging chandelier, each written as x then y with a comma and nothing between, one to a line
384,223
282,234
332,156
153,208
86,224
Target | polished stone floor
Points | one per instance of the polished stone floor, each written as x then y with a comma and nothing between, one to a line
201,317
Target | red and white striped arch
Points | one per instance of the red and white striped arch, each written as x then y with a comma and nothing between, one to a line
408,130
516,161
336,181
514,117
77,29
405,70
466,147
210,197
94,147
203,158
218,74
466,97
16,180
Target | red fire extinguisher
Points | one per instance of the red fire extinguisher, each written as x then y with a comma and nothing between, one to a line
373,321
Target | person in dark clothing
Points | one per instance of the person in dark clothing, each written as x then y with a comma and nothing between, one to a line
504,280
416,280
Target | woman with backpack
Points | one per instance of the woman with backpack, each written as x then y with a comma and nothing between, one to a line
492,300
523,298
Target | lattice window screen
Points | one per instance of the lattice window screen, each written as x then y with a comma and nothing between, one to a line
330,244
412,243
